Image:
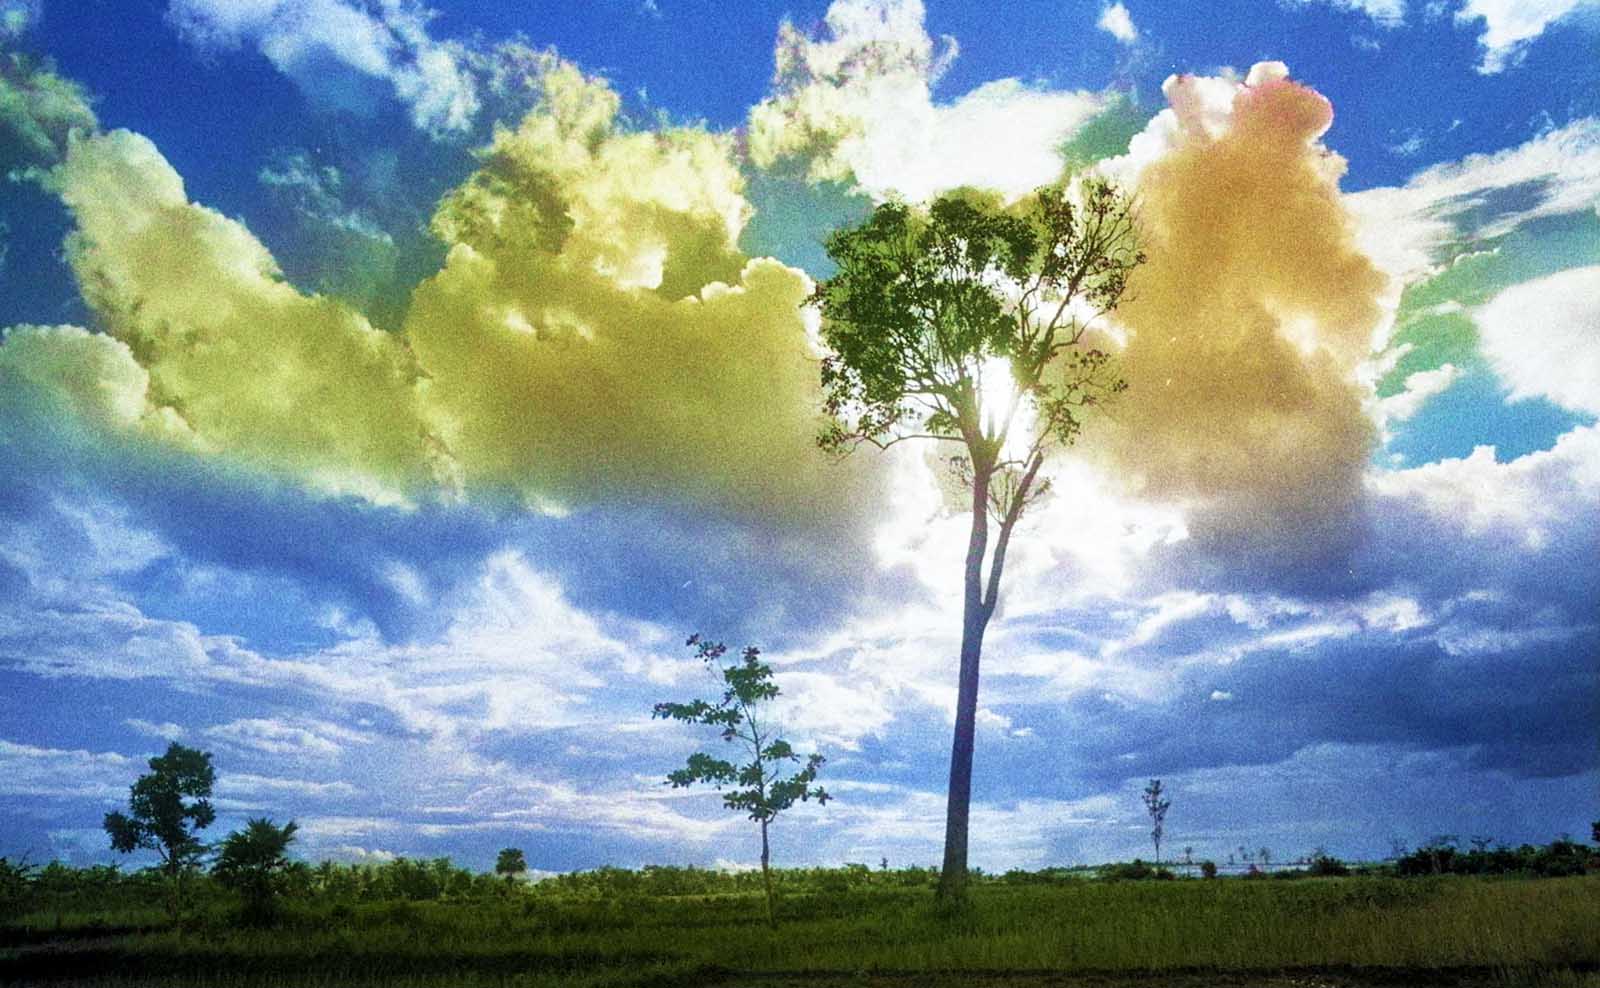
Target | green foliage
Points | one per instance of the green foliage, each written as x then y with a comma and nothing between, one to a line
510,863
922,299
255,863
1325,866
166,810
1442,855
923,302
160,818
758,787
1232,931
1208,869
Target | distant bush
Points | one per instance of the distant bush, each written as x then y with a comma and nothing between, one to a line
1327,866
1208,869
1133,871
1441,856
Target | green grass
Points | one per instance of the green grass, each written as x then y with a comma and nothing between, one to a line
1500,931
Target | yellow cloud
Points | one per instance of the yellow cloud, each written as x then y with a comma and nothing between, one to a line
596,333
1248,324
90,378
279,379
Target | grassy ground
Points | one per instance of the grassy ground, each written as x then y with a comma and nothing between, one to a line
1326,933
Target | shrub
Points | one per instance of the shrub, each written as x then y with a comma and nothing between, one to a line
1208,869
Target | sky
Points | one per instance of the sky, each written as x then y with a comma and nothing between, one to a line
388,389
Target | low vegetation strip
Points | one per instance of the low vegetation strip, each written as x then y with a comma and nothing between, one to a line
1364,930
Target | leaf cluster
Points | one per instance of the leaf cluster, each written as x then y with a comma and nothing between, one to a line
167,807
252,859
758,787
922,299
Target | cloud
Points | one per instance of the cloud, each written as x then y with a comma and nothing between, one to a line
1117,22
251,367
1386,13
38,110
855,104
17,16
1419,387
387,42
167,730
1511,25
276,737
36,772
1446,209
1541,337
595,331
83,378
1247,327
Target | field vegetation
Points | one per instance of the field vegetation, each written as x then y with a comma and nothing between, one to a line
429,923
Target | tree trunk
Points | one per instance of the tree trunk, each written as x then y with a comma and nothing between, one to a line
974,619
766,873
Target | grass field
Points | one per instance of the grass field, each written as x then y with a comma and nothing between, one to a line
1321,933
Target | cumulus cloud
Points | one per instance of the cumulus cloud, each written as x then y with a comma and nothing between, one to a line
1117,22
387,42
1248,324
251,366
855,104
1509,26
1543,338
1448,208
38,110
85,378
595,328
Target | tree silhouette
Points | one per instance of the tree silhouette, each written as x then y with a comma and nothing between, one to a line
759,786
957,324
510,863
159,819
253,862
1156,804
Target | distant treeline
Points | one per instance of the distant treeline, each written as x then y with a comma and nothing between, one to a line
56,887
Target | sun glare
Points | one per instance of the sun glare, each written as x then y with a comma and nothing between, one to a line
996,391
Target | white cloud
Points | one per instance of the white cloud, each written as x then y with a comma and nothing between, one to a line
300,739
387,40
1543,338
1520,503
1510,25
1117,22
1411,229
1419,387
1387,13
856,103
26,770
166,730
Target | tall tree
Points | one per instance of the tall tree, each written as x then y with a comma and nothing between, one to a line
166,810
965,324
760,789
1156,804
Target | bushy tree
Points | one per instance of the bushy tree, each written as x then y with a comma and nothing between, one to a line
758,787
254,861
166,810
957,324
510,863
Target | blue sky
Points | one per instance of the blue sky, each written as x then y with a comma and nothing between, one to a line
387,390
